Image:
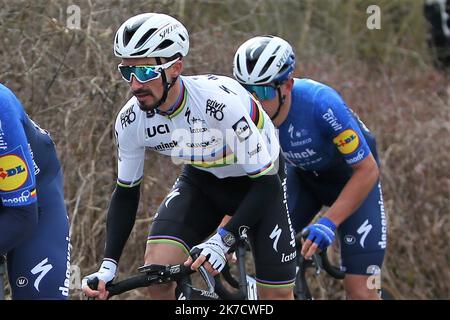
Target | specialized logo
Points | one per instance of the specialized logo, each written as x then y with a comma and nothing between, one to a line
215,109
13,172
42,268
283,59
227,90
161,129
242,129
275,235
296,134
172,195
165,32
364,229
127,117
347,141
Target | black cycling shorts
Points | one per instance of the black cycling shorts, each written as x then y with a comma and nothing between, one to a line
198,201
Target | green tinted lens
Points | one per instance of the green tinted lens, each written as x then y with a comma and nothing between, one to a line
142,73
262,92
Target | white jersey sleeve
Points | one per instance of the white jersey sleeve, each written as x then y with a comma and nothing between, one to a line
131,154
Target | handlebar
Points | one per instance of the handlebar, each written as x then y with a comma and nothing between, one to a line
157,274
323,262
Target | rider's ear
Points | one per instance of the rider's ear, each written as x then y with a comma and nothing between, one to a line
177,68
289,84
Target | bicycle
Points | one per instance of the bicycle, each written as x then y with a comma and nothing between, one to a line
320,262
216,290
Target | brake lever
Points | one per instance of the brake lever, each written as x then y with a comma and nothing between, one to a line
209,279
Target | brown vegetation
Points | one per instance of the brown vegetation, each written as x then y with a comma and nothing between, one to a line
68,83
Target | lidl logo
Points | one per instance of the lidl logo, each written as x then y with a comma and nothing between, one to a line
13,172
347,141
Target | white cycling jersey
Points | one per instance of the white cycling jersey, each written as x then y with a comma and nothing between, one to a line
216,126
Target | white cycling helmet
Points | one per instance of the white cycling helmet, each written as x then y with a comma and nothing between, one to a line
262,60
151,35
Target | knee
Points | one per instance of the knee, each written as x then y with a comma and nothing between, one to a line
163,254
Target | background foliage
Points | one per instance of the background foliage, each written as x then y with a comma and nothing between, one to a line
67,81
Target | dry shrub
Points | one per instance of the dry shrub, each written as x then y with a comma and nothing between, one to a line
68,83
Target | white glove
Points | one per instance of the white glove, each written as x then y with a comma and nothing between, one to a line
106,273
214,250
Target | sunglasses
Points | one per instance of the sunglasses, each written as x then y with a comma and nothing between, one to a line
143,73
267,92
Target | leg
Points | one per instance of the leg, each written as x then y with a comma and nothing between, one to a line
363,244
361,287
184,219
164,254
39,268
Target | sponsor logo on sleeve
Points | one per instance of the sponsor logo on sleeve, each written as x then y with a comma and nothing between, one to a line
13,172
332,120
3,144
242,129
22,199
255,151
359,156
347,141
127,117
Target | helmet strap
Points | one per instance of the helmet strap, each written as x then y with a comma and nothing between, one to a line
166,85
281,100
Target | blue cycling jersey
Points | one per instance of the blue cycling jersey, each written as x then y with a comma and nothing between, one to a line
321,138
34,227
320,130
25,161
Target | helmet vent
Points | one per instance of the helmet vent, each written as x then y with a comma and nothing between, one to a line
145,37
266,66
128,34
164,44
250,65
237,65
276,50
264,80
142,52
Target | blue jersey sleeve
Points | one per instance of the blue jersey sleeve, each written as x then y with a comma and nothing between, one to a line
337,122
17,178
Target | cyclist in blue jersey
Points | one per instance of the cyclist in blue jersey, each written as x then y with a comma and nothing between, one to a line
34,227
331,157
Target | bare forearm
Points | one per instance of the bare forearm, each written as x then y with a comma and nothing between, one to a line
355,191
